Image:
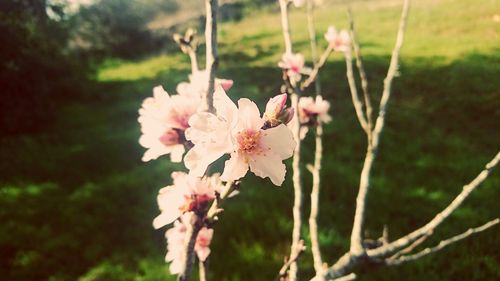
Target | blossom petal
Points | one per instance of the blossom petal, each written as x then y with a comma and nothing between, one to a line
249,115
279,140
199,157
235,168
224,106
268,165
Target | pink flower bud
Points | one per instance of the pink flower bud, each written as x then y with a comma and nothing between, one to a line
275,105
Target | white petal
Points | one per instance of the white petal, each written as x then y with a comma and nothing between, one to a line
224,106
166,218
249,115
235,168
198,158
268,165
177,152
279,140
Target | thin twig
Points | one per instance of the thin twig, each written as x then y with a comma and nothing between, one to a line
313,216
312,40
188,254
194,61
356,248
297,188
293,258
212,58
285,25
317,67
362,75
406,240
442,244
215,208
356,101
412,246
203,268
347,262
349,277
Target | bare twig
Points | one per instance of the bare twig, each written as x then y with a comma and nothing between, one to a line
216,209
297,183
347,262
356,248
212,58
313,216
285,25
406,240
356,101
314,73
442,244
313,224
312,40
412,246
349,277
297,188
192,231
293,258
362,75
203,268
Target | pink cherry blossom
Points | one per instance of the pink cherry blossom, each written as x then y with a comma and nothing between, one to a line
314,108
163,119
176,237
186,194
238,130
293,64
340,42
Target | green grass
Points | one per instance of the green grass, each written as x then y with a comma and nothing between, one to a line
76,202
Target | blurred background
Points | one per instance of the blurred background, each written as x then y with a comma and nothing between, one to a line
76,202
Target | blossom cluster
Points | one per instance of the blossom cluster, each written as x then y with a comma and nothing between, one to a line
172,124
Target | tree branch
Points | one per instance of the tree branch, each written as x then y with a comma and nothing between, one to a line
314,73
285,25
362,75
442,244
404,241
297,188
203,268
293,258
212,58
188,255
357,248
313,225
356,101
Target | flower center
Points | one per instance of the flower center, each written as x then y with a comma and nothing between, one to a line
248,141
170,137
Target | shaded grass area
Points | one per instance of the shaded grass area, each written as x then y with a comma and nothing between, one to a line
77,202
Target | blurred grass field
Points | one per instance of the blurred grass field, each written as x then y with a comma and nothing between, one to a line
76,202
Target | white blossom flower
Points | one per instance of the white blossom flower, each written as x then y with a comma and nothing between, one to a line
238,131
314,108
340,42
293,64
163,119
176,236
187,194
